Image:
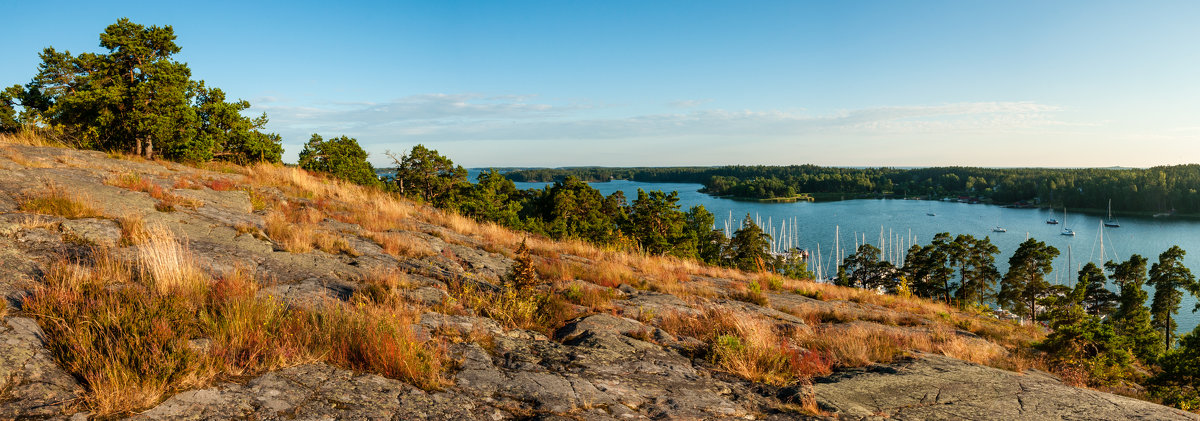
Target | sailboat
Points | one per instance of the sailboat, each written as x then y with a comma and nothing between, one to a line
1066,231
1053,221
998,228
1110,221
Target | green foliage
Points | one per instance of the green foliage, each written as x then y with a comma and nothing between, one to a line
10,98
656,224
1080,342
1097,299
1025,284
1178,383
748,249
136,98
794,266
340,157
928,268
1170,278
864,269
423,173
1131,319
698,230
976,259
493,198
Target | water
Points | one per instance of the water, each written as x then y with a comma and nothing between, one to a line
905,222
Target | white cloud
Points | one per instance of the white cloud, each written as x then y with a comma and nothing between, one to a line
523,130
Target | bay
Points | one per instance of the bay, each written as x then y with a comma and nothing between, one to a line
906,222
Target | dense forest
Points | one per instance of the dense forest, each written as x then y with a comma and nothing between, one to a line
1151,190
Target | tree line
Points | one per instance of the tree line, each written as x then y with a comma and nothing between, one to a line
1109,338
135,98
1156,189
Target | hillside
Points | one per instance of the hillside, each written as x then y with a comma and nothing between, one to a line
156,290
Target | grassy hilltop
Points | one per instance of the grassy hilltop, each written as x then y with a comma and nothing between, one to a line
163,290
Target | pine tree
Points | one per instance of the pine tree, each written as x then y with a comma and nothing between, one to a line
1169,277
1025,284
1131,319
1097,299
748,249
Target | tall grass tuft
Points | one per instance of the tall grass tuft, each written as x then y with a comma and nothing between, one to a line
167,264
55,200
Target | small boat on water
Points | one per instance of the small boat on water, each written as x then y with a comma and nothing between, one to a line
1066,231
1110,221
999,229
930,213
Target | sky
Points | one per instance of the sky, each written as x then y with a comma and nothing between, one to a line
665,83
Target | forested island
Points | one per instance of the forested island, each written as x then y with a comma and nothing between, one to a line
1132,190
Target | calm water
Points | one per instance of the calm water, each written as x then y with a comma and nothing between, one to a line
903,221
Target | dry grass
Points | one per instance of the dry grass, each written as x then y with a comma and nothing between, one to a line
18,158
333,243
401,244
748,346
133,229
382,287
512,307
55,200
36,222
293,237
28,138
597,299
168,264
220,184
167,201
130,345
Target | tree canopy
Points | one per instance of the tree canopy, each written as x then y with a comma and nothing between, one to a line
340,157
136,97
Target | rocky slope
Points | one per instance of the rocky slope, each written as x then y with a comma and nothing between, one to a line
620,359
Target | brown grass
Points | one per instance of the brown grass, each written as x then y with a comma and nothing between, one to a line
133,229
18,158
401,244
748,346
293,237
130,345
333,243
167,201
169,265
512,307
55,200
28,138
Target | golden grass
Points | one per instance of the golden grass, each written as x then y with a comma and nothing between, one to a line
130,345
169,265
748,346
382,286
18,158
167,201
512,307
333,243
400,244
55,200
36,221
133,229
28,138
293,237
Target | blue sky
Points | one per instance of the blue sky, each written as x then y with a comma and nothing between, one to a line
1015,83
